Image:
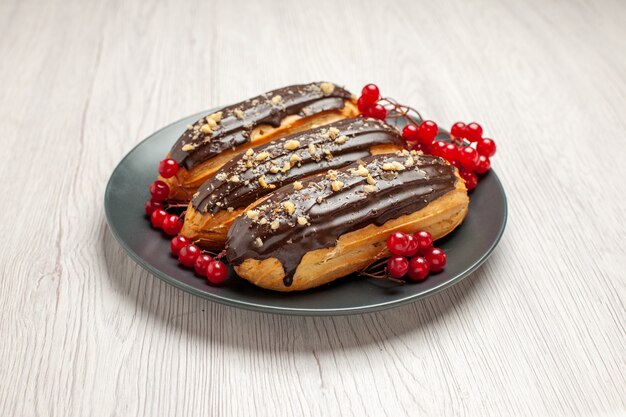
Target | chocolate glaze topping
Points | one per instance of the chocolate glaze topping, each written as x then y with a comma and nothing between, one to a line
376,189
232,125
261,170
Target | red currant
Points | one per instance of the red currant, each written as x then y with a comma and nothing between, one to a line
471,180
473,132
178,243
427,131
397,266
363,106
437,148
172,224
157,217
410,133
418,268
397,243
159,190
424,240
456,164
168,168
188,254
412,246
370,94
201,263
483,165
450,152
216,272
436,259
468,157
377,111
486,147
152,205
458,130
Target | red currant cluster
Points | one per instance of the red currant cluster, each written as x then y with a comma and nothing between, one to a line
191,256
423,258
188,254
368,103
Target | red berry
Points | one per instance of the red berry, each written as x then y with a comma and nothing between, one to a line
377,111
458,130
427,131
410,133
152,205
424,240
168,168
216,272
486,147
172,224
157,217
471,180
370,94
188,254
473,132
412,246
483,165
457,164
363,106
418,268
201,263
436,259
397,243
437,148
450,152
178,243
397,266
159,190
468,157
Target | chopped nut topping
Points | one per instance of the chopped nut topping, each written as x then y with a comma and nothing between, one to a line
189,127
336,185
212,123
312,149
206,129
319,199
290,208
249,152
277,99
258,242
221,176
327,88
370,180
230,209
264,183
188,147
361,171
302,221
331,174
333,132
263,221
295,158
286,167
239,114
369,188
216,117
409,162
234,178
297,185
252,214
274,169
262,156
341,140
275,224
393,166
292,145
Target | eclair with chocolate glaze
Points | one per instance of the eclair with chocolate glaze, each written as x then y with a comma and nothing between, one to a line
212,141
260,170
337,223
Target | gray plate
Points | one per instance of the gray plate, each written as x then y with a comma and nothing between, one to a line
467,247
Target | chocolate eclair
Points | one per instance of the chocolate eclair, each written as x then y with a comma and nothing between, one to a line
215,139
260,170
336,223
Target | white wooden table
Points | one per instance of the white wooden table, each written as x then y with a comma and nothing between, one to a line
538,330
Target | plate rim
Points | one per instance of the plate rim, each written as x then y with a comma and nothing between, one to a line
296,311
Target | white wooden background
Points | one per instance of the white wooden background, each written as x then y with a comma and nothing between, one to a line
539,330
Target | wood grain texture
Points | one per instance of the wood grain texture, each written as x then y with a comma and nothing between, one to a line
538,330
